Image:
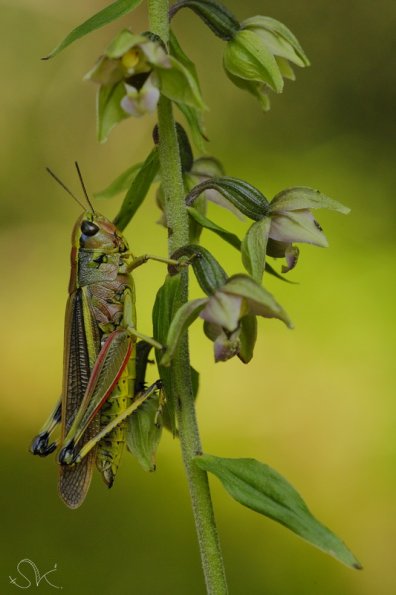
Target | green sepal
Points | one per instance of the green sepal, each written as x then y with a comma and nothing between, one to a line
264,490
258,90
225,235
247,57
177,84
144,430
301,197
245,197
109,110
280,31
254,247
216,16
120,184
138,190
100,19
260,301
247,338
182,319
209,273
122,42
166,302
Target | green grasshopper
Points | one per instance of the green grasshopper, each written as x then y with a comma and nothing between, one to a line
99,369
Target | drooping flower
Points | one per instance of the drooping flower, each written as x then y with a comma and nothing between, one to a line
258,57
132,73
229,311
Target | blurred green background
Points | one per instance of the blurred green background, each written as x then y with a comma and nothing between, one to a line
316,403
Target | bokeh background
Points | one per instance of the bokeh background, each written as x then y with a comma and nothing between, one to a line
316,403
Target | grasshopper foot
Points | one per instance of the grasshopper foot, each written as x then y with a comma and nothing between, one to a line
41,447
67,455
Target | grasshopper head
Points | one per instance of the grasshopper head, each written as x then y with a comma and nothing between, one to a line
93,231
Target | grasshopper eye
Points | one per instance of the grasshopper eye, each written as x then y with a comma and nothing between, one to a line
88,228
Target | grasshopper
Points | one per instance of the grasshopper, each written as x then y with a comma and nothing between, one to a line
99,368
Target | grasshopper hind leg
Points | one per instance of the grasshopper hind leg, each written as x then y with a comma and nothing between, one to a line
40,444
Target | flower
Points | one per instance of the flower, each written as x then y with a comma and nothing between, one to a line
229,312
258,55
292,221
132,73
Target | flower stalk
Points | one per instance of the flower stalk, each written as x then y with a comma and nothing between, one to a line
177,220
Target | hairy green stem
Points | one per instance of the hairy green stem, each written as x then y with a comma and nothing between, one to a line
177,219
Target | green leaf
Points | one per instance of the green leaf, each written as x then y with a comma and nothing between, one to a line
144,430
246,56
179,85
103,17
271,271
166,302
254,247
138,190
227,236
264,490
193,115
109,110
183,318
195,122
300,197
245,197
247,338
120,184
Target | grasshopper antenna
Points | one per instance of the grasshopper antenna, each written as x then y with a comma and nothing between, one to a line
51,173
83,187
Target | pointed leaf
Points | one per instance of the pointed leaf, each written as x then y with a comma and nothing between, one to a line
254,247
227,236
165,304
192,114
144,430
138,190
271,271
120,184
293,199
196,124
257,486
103,17
184,316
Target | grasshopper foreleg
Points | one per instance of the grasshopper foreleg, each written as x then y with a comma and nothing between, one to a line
40,444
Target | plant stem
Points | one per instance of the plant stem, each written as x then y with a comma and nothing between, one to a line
177,219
